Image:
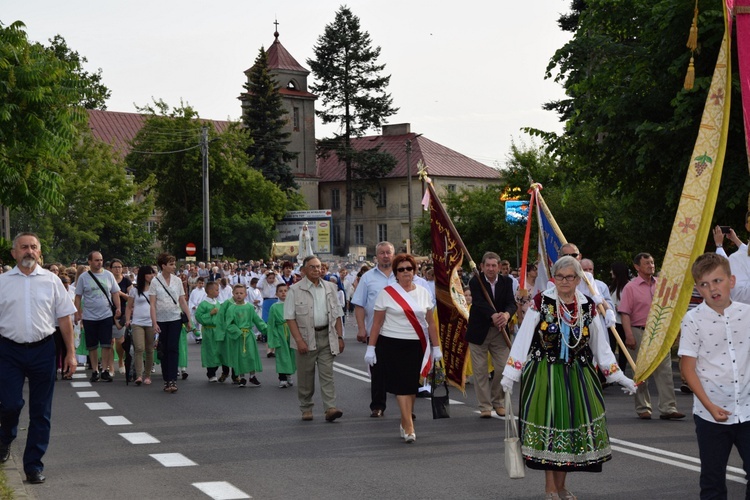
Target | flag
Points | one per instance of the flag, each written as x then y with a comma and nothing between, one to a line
551,240
693,220
452,309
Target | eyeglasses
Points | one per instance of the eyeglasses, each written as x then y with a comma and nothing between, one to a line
566,279
405,269
574,255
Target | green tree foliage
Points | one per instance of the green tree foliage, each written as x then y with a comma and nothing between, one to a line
244,206
353,94
99,211
265,120
630,126
38,118
94,93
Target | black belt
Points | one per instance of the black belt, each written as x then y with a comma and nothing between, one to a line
641,327
28,345
321,328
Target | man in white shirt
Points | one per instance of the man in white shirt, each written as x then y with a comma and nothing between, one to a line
27,350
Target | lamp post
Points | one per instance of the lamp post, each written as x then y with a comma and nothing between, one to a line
408,189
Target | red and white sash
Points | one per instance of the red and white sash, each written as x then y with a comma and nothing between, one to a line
408,304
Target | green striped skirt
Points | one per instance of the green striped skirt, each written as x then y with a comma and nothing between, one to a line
562,420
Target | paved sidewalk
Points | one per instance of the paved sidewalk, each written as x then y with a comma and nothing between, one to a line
15,478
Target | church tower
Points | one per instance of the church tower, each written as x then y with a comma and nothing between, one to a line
291,77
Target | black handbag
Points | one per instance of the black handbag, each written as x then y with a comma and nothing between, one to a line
440,404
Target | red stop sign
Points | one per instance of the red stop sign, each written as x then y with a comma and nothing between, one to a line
190,249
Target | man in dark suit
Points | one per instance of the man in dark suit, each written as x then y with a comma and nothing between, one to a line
484,332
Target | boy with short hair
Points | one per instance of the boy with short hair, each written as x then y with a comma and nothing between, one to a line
238,319
207,315
278,339
714,359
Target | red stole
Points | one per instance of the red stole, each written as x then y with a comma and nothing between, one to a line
406,302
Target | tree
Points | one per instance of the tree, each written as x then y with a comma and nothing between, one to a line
38,118
629,125
99,210
353,95
94,93
264,121
244,206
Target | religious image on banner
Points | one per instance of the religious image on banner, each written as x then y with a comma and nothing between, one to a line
516,212
452,309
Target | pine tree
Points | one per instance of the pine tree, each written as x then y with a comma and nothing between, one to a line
265,121
353,92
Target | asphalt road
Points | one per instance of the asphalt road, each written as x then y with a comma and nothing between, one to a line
219,441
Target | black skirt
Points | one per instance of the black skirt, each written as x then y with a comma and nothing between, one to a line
400,361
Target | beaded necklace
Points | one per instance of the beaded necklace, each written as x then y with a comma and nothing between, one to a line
572,319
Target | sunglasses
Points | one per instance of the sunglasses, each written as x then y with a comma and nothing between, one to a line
574,255
405,269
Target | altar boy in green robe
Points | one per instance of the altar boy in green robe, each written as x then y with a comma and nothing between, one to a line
207,314
238,318
278,339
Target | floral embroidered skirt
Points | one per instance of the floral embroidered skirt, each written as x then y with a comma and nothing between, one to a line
562,420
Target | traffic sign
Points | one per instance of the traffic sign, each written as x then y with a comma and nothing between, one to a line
190,249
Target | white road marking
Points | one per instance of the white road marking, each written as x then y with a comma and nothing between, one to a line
139,437
221,490
116,420
80,384
336,368
88,394
172,459
79,375
351,369
98,406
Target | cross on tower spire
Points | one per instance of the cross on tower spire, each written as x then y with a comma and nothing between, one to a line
276,29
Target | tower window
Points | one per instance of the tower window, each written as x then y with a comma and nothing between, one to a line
291,85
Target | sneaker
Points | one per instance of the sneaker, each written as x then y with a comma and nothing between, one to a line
222,378
242,383
213,379
106,376
290,381
253,381
94,377
283,384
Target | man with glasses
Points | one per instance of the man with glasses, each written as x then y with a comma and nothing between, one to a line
370,285
601,295
635,303
484,332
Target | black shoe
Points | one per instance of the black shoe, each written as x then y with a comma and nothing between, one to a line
106,376
94,377
35,477
184,375
4,452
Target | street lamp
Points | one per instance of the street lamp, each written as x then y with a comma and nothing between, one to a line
408,188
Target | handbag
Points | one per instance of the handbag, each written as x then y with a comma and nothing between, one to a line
440,404
111,305
513,458
183,317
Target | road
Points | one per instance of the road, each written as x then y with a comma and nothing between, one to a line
218,441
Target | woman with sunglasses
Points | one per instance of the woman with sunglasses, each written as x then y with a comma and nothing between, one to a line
403,330
138,316
563,425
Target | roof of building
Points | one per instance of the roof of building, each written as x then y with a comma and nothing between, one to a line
280,58
119,129
441,161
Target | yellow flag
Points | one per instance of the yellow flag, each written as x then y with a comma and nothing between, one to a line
693,221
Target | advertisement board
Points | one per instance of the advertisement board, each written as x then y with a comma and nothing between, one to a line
318,223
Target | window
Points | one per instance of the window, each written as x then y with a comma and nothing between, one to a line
381,197
335,199
382,232
292,85
359,200
359,234
451,188
295,119
336,236
151,226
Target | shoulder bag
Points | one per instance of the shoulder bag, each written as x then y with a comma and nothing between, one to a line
183,317
513,457
106,295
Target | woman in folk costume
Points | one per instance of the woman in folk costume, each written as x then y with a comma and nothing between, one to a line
562,420
403,329
237,320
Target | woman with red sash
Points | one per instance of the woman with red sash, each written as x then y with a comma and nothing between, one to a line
403,330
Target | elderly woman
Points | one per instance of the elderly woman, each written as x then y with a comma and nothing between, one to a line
167,297
562,419
402,323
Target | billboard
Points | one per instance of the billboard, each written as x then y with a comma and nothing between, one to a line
318,223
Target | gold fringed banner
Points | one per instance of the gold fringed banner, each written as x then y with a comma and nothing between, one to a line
692,222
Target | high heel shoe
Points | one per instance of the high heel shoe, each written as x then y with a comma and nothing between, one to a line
401,431
564,494
410,438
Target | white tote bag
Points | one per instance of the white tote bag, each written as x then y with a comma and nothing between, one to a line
513,458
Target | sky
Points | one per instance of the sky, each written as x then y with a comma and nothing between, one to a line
468,75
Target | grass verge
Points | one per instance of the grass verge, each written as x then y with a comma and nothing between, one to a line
6,493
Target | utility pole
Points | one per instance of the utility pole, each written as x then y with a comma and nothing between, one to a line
206,218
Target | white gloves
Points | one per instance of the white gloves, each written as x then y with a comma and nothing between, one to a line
609,318
598,299
436,354
370,358
628,386
507,384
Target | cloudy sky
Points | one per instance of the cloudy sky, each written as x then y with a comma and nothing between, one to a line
467,74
